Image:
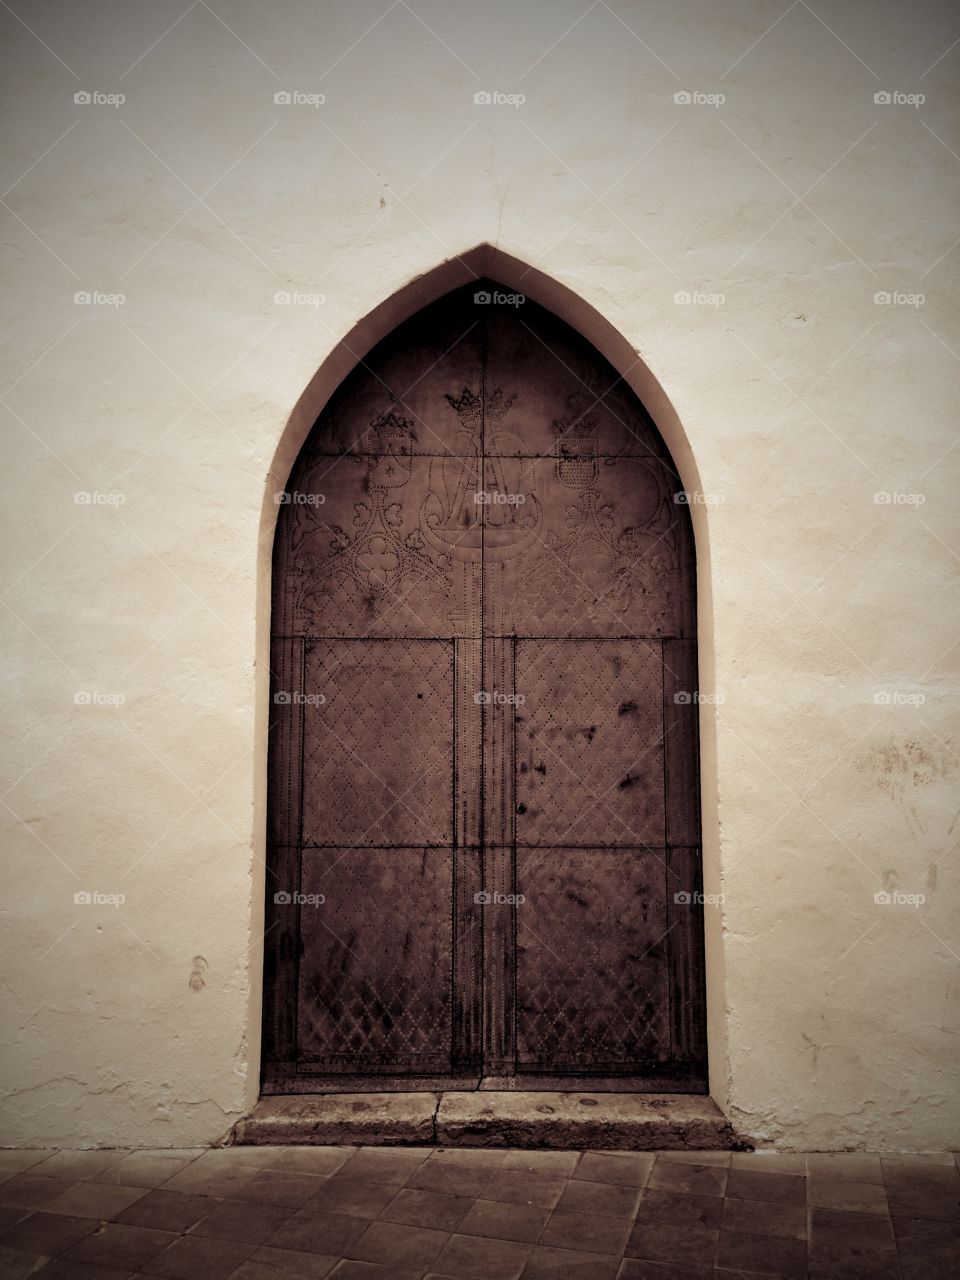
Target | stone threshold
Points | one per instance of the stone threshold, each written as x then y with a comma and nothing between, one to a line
555,1121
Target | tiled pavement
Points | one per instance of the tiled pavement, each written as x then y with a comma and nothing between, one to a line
376,1213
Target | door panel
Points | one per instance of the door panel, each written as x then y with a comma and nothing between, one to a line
592,961
483,828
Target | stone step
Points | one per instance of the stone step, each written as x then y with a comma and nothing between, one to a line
561,1121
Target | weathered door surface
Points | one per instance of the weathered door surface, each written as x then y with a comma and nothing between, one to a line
484,854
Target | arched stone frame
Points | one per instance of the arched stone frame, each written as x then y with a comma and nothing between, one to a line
564,302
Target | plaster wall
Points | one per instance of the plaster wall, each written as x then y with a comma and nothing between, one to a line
726,255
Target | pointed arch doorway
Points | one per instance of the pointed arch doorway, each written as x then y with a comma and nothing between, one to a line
483,800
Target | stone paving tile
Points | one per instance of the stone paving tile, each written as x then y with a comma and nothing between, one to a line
95,1200
556,1163
568,1264
64,1269
413,1208
521,1222
245,1223
680,1210
399,1245
145,1169
780,1188
765,1218
47,1233
600,1197
516,1186
464,1214
471,1258
17,1159
78,1166
166,1211
758,1253
663,1242
195,1258
284,1264
350,1269
116,1245
321,1161
24,1191
699,1179
857,1230
313,1231
355,1199
390,1165
858,1166
626,1170
456,1179
588,1232
843,1193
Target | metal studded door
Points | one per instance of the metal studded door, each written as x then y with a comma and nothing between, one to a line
483,846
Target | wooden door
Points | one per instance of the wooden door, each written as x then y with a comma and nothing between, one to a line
483,845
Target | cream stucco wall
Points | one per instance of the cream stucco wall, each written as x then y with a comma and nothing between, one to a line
136,622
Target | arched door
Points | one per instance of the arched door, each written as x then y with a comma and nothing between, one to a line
483,841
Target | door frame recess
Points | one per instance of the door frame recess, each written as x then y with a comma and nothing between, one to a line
410,297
